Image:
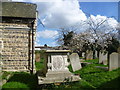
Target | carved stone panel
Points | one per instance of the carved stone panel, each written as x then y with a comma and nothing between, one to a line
57,62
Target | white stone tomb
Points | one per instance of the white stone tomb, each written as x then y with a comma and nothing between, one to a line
57,68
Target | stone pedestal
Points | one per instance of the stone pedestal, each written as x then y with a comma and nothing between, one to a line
56,67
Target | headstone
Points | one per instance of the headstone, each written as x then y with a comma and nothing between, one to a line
83,54
57,68
103,58
114,61
96,54
89,54
37,57
118,50
75,61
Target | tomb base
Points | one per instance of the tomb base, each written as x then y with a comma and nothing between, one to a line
58,77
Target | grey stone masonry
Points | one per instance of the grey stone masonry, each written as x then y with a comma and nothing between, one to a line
17,36
114,61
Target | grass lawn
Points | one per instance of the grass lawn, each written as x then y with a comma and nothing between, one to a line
39,65
21,80
95,61
91,78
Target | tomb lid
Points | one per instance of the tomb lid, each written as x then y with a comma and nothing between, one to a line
58,51
18,9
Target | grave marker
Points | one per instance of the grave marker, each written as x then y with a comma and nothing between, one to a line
103,58
114,61
89,54
75,61
83,54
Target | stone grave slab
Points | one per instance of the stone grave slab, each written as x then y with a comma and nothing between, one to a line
75,61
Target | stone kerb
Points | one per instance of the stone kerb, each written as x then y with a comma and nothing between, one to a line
114,61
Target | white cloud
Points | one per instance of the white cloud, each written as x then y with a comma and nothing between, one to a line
53,44
47,34
59,13
62,14
109,22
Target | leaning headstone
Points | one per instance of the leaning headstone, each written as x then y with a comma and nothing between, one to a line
89,54
114,61
75,61
103,58
57,68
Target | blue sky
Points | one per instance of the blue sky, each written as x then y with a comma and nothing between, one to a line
56,14
109,9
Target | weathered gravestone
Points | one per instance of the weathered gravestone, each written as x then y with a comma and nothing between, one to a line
83,54
96,54
89,54
103,58
75,61
56,68
118,50
114,61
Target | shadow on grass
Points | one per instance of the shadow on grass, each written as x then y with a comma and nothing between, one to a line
26,78
113,84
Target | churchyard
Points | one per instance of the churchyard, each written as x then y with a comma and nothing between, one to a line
86,60
93,76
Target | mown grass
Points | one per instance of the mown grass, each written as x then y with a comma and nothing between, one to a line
96,76
21,80
39,65
94,61
91,78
